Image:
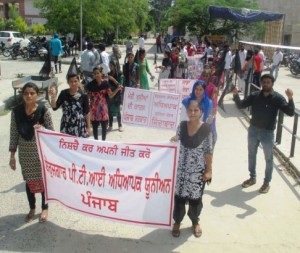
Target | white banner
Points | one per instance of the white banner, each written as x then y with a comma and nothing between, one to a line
182,87
131,183
150,109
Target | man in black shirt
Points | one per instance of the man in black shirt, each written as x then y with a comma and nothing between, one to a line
264,107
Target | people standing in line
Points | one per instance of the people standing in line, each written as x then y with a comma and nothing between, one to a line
131,72
129,47
257,68
194,167
144,69
114,102
98,92
75,106
276,61
141,42
158,44
242,56
24,119
265,105
56,50
104,59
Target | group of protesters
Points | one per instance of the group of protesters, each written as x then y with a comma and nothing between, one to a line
100,101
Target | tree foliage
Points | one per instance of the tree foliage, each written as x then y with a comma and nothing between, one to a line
193,15
158,10
38,29
21,25
101,18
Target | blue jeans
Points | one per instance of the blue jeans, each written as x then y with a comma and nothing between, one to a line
276,69
266,138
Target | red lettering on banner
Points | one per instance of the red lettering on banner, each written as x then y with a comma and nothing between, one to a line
55,170
72,173
107,150
97,202
128,117
140,119
141,97
82,175
68,145
155,185
98,177
144,153
165,105
121,181
87,147
131,95
127,152
139,107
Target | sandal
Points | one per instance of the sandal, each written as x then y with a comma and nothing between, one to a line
29,217
176,230
197,230
44,215
121,129
109,129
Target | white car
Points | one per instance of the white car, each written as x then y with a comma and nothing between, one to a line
10,37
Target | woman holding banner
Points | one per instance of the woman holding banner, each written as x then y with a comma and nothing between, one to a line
24,119
194,167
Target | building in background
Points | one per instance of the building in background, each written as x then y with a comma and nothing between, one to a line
26,9
291,9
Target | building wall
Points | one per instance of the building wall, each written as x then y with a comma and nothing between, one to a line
26,10
291,9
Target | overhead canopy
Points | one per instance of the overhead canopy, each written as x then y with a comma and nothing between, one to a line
242,15
269,45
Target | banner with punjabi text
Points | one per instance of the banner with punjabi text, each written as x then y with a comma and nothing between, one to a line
131,183
182,87
151,108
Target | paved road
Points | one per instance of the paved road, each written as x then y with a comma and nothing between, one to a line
233,219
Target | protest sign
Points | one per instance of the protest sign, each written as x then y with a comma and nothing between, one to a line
150,109
182,87
116,181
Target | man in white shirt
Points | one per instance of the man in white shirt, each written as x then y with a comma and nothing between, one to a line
276,59
141,42
228,59
104,59
242,55
88,59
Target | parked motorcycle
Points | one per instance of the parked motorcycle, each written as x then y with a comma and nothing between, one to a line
295,67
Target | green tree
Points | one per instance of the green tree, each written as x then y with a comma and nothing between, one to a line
193,15
21,25
158,9
38,29
101,18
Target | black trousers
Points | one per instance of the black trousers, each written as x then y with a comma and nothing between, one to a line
194,211
55,63
95,125
256,80
32,200
111,119
159,47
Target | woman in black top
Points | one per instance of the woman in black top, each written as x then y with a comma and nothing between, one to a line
75,105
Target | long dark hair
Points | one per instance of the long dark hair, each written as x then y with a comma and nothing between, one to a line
30,85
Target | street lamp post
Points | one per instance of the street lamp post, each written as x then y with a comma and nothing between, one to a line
80,25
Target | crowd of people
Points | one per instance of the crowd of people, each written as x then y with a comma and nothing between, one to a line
100,100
